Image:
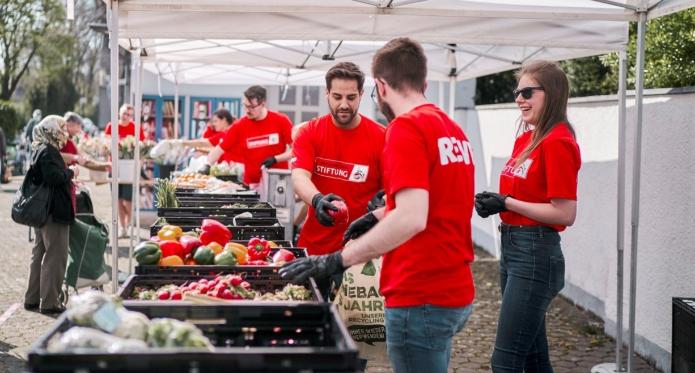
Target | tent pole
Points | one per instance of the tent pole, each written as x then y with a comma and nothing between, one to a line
636,170
452,95
176,104
622,118
138,112
137,102
113,41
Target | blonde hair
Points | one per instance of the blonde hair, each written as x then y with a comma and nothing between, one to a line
124,108
554,82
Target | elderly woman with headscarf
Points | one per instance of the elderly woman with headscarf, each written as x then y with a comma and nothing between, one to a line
50,255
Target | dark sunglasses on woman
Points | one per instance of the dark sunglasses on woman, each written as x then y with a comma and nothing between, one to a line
526,92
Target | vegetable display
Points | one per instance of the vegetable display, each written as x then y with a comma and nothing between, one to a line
228,287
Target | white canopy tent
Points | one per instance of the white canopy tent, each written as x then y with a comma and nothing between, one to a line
228,39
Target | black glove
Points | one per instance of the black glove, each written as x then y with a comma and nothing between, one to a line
323,203
360,227
268,162
377,201
317,266
488,203
205,170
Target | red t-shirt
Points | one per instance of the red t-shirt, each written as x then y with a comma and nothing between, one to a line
549,172
344,162
215,137
256,140
69,148
425,149
124,131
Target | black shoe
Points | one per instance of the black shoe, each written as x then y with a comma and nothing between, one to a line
31,307
52,311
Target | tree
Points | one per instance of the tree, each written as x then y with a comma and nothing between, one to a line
669,63
23,26
669,53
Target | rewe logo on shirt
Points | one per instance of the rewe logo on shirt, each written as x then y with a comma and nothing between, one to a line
453,150
521,171
356,173
261,141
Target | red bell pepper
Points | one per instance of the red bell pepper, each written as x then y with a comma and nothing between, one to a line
216,232
170,248
259,249
189,244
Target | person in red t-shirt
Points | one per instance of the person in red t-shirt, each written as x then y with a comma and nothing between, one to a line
126,128
71,155
261,138
337,157
424,232
222,119
537,199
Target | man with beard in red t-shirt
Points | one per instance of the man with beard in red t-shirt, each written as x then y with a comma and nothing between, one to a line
338,157
424,232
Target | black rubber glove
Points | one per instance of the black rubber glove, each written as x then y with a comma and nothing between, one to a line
205,170
317,266
269,162
360,227
377,201
488,203
321,205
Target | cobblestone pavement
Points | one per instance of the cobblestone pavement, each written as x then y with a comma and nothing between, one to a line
576,337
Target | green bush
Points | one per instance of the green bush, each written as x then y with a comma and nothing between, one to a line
9,119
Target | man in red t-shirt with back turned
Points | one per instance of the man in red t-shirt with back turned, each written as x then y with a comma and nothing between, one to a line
261,138
424,232
337,157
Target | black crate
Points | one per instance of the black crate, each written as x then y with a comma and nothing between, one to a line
267,212
280,243
264,279
683,336
232,178
215,269
239,222
185,202
240,233
244,194
247,337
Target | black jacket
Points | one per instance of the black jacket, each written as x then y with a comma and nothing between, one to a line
48,166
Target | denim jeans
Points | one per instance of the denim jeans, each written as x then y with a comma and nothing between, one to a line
532,272
418,339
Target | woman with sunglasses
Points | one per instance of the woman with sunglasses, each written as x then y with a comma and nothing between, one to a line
537,200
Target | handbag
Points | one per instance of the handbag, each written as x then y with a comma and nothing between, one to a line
31,203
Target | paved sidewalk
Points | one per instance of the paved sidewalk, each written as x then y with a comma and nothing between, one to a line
576,337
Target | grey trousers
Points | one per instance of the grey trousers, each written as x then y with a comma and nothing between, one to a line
47,269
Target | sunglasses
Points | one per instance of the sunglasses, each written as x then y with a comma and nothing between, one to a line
526,92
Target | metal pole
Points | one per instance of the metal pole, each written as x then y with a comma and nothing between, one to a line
636,170
113,44
138,123
622,119
452,95
176,104
131,224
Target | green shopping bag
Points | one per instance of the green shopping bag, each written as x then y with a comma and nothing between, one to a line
88,240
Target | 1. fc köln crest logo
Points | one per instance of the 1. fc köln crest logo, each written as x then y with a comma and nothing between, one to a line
261,141
356,173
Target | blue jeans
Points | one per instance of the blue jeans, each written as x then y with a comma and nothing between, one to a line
418,339
532,272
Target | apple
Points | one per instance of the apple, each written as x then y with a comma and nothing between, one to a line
341,216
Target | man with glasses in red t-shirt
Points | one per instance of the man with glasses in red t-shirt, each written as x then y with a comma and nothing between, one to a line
261,138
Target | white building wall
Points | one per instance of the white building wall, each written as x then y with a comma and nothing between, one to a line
667,205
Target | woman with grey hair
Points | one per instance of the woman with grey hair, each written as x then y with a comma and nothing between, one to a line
50,255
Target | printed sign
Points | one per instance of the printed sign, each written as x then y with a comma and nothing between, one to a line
262,141
356,173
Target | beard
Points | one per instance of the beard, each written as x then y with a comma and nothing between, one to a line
385,109
337,119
